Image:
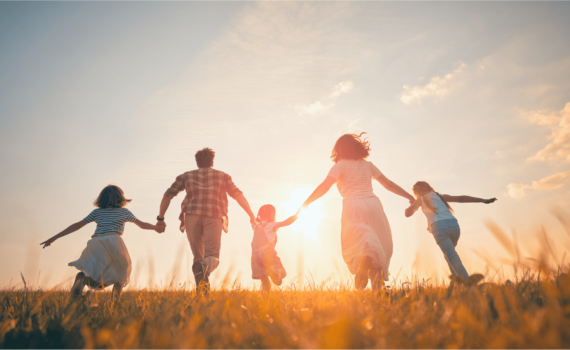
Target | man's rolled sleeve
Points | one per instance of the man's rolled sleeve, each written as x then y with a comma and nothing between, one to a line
176,187
231,188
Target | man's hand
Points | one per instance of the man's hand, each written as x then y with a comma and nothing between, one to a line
253,221
160,226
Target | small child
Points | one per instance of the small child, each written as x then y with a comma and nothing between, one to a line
265,263
441,222
105,261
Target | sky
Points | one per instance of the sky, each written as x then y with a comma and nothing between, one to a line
473,97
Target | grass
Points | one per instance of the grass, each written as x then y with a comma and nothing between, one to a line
533,312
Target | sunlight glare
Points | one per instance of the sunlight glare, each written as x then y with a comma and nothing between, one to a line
309,219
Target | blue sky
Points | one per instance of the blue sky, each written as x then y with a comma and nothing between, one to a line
468,96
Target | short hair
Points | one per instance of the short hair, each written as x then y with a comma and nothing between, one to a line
350,146
111,197
266,213
205,158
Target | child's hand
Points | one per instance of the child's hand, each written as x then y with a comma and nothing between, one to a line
47,243
489,201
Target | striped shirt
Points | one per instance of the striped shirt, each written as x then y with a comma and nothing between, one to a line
354,178
206,192
110,220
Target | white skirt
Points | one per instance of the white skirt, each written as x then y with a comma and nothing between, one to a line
106,260
366,232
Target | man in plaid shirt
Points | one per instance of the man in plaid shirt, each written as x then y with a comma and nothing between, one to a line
204,212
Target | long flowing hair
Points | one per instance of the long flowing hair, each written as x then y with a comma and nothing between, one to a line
421,188
350,146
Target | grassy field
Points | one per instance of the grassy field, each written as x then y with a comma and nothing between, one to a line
533,312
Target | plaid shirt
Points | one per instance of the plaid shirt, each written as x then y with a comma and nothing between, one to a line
206,192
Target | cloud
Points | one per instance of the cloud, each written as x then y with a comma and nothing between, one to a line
312,109
437,87
341,88
559,122
551,182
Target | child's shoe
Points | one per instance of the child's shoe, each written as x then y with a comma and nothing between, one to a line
78,285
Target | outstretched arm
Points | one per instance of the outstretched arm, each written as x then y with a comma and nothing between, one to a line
413,208
467,199
288,221
146,225
320,191
392,187
244,204
65,232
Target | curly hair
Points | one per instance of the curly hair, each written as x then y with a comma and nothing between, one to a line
111,197
205,158
350,146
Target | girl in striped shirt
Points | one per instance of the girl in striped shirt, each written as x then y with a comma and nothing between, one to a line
105,261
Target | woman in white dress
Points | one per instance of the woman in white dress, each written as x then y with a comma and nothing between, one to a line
366,238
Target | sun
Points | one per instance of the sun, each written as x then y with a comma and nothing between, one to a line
309,219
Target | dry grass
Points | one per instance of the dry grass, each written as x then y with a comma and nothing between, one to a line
531,313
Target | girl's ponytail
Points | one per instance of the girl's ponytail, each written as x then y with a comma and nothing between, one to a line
421,188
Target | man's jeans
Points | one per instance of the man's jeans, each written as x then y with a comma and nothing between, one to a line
204,234
446,234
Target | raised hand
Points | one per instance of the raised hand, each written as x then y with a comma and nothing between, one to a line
489,201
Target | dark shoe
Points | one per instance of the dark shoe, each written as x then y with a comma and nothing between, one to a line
201,277
474,279
361,277
78,285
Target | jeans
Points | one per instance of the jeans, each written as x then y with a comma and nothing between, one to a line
446,234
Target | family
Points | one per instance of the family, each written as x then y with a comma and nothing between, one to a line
366,238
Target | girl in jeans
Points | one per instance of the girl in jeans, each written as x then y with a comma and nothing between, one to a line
441,222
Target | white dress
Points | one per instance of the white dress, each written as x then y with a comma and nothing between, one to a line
106,258
365,230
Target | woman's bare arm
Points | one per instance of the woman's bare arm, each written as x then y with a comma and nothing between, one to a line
70,229
392,187
467,199
320,191
413,208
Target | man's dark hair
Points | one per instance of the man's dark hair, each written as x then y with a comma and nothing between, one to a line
205,158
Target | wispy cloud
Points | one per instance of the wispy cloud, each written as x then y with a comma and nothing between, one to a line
551,182
437,86
559,146
312,109
342,88
318,107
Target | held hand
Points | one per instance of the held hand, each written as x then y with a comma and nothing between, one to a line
160,226
47,243
253,221
489,201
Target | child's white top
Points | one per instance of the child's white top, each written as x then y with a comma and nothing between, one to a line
110,220
354,178
264,236
441,210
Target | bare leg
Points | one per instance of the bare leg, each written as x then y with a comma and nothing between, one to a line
117,289
377,278
78,285
265,284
